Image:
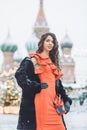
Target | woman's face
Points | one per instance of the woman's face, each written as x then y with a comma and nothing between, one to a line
48,44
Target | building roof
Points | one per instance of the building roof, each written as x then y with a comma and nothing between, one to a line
41,25
8,45
41,20
66,42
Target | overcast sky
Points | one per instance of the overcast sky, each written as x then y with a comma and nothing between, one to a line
19,17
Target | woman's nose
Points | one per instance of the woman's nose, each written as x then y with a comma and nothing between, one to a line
50,42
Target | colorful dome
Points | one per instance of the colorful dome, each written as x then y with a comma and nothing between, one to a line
66,42
8,45
32,43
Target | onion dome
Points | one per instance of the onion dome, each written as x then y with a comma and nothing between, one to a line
8,45
32,43
66,42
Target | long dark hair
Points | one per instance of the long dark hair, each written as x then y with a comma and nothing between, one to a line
54,53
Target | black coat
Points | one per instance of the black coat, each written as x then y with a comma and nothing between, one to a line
25,73
60,90
27,109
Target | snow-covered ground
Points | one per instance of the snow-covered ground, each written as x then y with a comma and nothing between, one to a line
76,119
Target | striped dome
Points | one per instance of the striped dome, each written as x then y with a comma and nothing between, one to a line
8,45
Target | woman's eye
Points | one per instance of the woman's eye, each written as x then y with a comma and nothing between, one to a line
47,40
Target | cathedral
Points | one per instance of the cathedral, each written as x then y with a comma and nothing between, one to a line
10,64
66,61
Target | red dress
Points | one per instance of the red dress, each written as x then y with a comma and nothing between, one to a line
46,115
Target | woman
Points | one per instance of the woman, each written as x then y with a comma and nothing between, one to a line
46,66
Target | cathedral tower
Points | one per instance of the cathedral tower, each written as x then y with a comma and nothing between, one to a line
41,25
66,60
8,48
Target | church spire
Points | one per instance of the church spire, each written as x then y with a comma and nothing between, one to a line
40,25
41,3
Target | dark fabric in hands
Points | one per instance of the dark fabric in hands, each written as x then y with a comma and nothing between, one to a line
67,106
60,89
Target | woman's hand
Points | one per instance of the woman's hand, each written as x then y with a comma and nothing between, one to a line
44,85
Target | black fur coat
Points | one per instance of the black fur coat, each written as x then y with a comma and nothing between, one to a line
24,73
27,110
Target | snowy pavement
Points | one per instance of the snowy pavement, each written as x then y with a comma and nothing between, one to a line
75,120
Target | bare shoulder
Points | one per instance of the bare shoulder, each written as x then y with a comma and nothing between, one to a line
34,60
